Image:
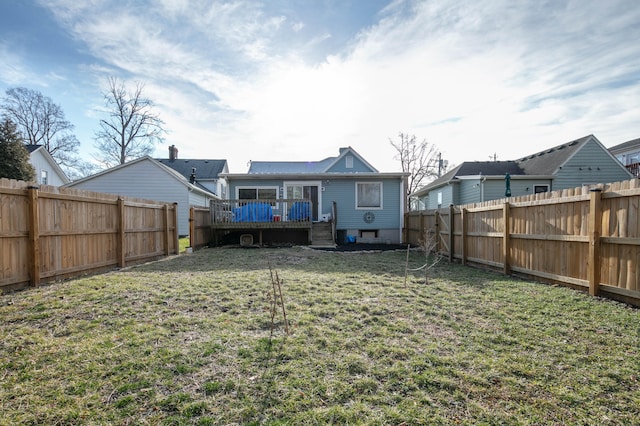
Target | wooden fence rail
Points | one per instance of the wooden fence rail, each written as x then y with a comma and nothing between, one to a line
582,238
49,233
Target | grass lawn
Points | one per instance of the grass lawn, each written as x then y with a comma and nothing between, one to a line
188,340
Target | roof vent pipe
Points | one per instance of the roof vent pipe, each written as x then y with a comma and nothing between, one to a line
192,178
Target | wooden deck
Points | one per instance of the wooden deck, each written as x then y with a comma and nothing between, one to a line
286,218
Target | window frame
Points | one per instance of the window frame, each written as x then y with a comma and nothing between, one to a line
348,162
380,185
546,186
257,188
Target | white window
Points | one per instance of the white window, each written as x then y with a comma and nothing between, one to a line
439,199
348,161
368,195
44,177
540,188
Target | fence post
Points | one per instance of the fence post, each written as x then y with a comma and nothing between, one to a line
451,222
595,224
437,230
34,236
192,227
176,237
506,252
121,234
464,235
167,234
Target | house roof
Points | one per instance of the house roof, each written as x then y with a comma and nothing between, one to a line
205,169
173,173
290,167
625,146
548,162
304,167
306,170
474,168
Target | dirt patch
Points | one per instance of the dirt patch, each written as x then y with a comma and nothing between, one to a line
364,247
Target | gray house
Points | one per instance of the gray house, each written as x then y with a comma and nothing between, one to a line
628,153
362,204
48,172
584,161
147,178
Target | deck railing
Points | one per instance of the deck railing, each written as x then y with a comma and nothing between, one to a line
260,211
634,169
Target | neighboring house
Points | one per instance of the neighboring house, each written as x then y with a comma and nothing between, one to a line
369,205
204,172
584,161
147,178
47,170
628,153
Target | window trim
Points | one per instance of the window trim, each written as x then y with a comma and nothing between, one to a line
44,177
546,185
381,186
348,162
277,189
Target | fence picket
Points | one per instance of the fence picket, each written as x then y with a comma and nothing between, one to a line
552,236
49,233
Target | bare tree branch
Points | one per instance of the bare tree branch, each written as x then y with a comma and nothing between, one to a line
41,122
419,159
131,129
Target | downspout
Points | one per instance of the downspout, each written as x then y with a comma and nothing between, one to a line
482,179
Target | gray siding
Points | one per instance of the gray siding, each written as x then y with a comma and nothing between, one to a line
591,164
343,192
447,196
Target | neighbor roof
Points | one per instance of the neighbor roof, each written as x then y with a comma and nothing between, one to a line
205,169
547,162
617,149
543,163
474,168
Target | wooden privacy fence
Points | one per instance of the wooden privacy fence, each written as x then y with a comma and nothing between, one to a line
199,227
582,238
50,233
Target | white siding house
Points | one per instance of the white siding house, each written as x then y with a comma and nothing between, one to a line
148,179
47,170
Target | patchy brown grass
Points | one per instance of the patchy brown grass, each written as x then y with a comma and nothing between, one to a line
188,340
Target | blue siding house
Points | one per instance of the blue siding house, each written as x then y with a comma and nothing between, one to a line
581,162
359,203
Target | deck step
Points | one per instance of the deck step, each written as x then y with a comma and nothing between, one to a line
321,235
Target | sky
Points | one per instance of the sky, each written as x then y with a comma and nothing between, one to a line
295,80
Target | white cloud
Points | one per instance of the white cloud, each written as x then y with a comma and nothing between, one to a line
474,78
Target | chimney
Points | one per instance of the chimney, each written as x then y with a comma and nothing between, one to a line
173,153
192,178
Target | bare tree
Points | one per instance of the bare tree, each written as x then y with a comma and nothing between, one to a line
41,122
131,129
420,159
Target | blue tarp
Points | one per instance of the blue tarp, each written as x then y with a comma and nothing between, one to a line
299,211
253,212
